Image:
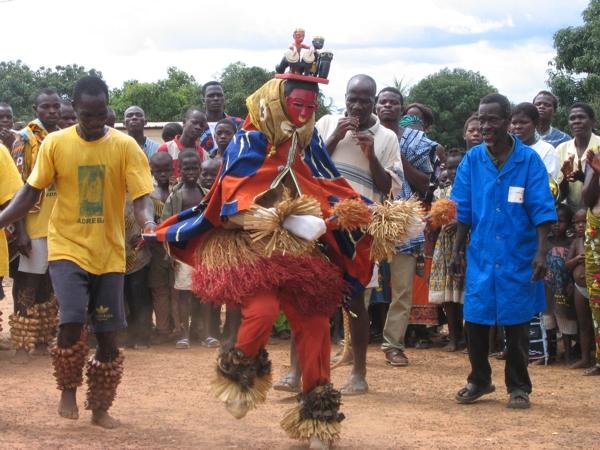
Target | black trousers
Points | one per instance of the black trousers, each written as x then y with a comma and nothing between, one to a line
139,302
516,375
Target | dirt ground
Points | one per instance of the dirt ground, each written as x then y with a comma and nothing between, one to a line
164,402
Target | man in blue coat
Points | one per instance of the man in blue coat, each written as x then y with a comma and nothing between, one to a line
503,198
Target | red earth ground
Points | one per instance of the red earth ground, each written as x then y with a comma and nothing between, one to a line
164,402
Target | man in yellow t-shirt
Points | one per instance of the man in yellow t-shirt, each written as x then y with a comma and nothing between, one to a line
92,167
10,182
32,284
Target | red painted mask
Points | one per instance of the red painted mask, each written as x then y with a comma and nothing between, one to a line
300,106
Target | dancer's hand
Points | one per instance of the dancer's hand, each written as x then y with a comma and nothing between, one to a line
306,227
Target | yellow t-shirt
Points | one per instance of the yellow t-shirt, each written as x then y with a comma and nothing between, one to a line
10,183
91,180
36,223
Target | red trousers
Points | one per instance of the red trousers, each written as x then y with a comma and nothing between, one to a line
311,333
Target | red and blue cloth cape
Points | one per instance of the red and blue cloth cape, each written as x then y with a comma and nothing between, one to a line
248,169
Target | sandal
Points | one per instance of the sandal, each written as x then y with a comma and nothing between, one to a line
183,343
472,392
210,342
519,399
592,371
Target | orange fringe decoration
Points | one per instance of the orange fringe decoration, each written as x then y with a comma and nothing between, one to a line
351,214
442,212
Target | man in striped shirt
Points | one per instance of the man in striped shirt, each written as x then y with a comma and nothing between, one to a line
367,155
415,150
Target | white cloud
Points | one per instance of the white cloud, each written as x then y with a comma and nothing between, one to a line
509,42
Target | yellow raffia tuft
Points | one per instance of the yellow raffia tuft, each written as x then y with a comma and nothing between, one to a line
267,224
394,222
227,248
304,429
227,390
442,212
351,214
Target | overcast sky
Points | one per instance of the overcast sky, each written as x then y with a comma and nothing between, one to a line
509,41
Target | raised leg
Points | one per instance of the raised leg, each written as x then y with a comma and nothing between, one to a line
244,372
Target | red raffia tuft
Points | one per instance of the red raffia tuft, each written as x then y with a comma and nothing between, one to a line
442,212
351,214
312,284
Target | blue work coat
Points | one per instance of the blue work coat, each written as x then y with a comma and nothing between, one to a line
503,208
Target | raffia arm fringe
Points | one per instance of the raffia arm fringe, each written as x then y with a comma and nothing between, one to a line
351,214
267,224
442,212
304,429
394,222
227,390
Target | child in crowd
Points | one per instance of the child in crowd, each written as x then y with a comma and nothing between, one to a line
224,132
161,277
207,315
445,288
187,194
560,310
208,173
576,264
170,130
136,291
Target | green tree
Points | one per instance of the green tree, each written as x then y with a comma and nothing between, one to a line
239,81
401,86
63,78
18,83
453,95
574,73
163,101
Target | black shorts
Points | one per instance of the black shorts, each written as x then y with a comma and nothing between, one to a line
82,295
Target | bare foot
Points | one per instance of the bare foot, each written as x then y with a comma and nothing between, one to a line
40,350
67,406
290,382
356,385
592,371
102,419
581,364
20,357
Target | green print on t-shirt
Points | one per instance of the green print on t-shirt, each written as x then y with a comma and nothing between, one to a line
91,191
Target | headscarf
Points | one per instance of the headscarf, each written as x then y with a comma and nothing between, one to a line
267,113
27,145
409,119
